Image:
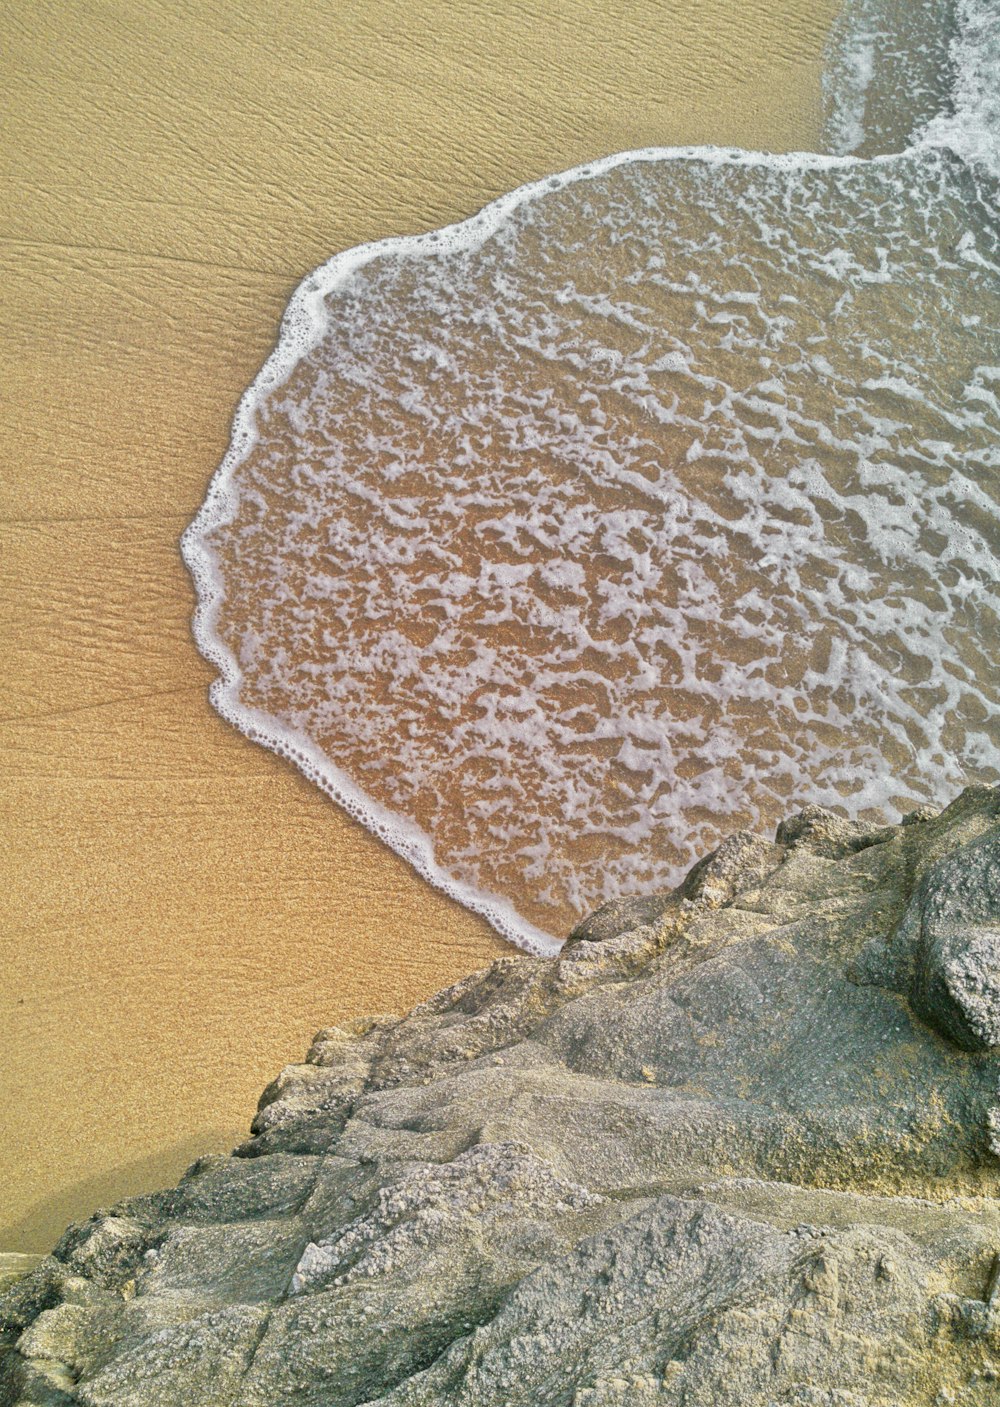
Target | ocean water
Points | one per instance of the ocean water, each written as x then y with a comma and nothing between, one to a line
658,499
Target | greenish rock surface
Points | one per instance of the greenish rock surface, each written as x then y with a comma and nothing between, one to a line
15,1264
738,1146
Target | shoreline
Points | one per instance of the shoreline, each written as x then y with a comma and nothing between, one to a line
183,908
303,325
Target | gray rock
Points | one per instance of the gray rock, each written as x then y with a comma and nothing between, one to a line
945,954
830,834
741,862
958,945
738,1146
620,916
108,1249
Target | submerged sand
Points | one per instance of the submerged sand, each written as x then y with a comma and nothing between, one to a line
182,909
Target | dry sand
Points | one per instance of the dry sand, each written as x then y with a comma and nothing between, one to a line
181,910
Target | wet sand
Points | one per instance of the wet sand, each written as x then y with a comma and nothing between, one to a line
181,909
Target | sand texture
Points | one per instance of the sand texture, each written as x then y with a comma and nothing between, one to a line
181,910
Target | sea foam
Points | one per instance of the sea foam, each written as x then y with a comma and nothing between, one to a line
662,493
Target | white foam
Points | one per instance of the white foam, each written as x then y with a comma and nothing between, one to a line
781,517
302,327
971,129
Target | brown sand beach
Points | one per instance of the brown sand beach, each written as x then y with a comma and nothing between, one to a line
181,909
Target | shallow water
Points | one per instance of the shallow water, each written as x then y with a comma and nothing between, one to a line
659,498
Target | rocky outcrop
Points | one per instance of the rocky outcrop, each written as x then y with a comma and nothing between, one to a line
738,1146
945,955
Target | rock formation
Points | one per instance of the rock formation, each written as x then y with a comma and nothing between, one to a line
738,1146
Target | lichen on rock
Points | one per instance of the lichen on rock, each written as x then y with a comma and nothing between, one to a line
739,1145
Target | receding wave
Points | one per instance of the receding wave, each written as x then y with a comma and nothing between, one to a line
659,495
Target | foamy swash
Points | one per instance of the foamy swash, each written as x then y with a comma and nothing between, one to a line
657,497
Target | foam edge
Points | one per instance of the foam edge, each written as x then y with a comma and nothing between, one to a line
302,326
